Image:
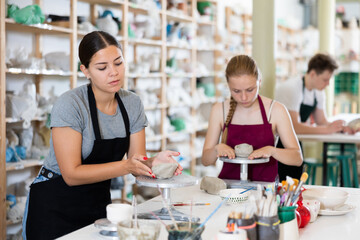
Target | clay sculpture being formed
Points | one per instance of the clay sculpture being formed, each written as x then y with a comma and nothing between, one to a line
355,124
164,170
212,185
243,150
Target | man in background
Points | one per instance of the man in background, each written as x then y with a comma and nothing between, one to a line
305,99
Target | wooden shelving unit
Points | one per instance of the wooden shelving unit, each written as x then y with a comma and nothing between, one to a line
289,53
71,77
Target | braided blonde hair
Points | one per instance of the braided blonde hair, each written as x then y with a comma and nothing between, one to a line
237,66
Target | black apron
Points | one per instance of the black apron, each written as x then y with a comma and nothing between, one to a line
56,209
294,171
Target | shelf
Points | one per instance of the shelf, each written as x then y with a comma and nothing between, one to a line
11,25
203,49
149,42
13,120
206,23
137,9
171,16
12,166
154,107
113,3
173,134
179,75
180,105
10,222
210,74
154,138
44,72
145,75
202,127
179,46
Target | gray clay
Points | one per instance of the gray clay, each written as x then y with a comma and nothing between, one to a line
355,124
243,150
164,170
212,185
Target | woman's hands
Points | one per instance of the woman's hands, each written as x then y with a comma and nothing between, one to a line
223,150
136,165
139,164
166,157
264,152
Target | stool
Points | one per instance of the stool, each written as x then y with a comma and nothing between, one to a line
345,170
311,166
334,149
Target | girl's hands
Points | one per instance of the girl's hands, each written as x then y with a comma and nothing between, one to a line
166,157
136,166
223,150
264,152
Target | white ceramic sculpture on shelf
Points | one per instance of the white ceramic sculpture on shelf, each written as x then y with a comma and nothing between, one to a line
107,24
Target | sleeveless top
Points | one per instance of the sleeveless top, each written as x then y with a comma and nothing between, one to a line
259,135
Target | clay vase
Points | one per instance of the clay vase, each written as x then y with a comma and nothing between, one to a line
304,214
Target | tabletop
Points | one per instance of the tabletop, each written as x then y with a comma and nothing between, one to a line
325,227
331,138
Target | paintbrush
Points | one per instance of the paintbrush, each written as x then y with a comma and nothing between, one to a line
162,222
276,184
303,179
245,190
190,204
213,212
134,205
168,208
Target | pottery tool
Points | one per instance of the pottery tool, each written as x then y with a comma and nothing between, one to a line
276,184
213,212
152,213
190,204
168,208
247,190
303,178
134,205
292,190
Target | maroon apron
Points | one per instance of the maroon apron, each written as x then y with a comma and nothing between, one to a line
55,208
258,136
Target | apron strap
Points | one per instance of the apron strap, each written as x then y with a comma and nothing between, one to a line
262,109
94,118
315,101
93,112
124,114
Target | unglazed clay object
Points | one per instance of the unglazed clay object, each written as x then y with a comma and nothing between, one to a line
212,185
243,150
146,230
355,124
164,170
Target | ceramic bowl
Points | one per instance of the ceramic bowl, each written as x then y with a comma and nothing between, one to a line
146,230
329,198
234,195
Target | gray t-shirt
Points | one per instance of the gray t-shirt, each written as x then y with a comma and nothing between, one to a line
72,110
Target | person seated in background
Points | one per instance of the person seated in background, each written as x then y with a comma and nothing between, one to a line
305,98
251,119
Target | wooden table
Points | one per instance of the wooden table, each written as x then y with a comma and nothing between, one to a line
339,138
